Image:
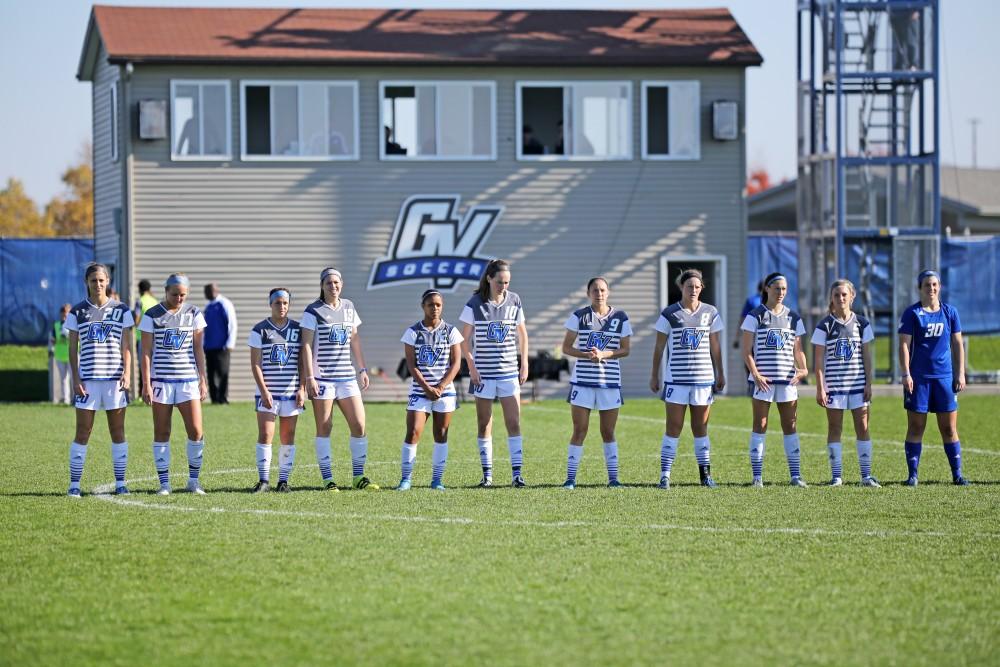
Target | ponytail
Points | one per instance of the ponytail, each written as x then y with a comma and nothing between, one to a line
494,267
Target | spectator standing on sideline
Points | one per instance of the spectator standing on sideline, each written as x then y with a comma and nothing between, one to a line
220,339
145,301
59,352
752,302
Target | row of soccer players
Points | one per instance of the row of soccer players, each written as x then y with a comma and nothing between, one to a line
316,356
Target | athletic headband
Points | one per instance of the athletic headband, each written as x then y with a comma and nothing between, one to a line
430,292
177,280
329,272
278,294
774,279
927,274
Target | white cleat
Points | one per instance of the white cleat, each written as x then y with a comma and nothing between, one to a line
798,482
164,490
757,483
194,487
871,483
836,481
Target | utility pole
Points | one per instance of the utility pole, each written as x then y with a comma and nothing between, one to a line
974,122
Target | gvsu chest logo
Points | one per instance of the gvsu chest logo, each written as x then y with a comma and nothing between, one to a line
428,356
691,338
844,349
279,354
173,339
598,340
496,332
777,339
430,243
338,335
99,333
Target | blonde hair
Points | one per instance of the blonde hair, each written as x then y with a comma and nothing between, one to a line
841,282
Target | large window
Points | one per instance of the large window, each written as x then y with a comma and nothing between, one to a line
299,120
113,130
200,120
437,120
583,120
671,125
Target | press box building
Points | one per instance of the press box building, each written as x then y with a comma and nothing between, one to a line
253,147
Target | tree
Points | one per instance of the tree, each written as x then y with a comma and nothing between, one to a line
73,214
18,213
758,181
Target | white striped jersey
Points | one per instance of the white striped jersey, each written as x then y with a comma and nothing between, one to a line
604,333
173,341
774,342
432,349
843,361
279,356
331,346
495,350
689,355
100,330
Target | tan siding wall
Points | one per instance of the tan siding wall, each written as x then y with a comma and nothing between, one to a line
252,226
107,174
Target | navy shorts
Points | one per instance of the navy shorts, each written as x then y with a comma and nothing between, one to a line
931,395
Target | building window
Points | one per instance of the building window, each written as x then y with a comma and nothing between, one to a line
113,101
437,120
299,120
580,120
671,120
200,120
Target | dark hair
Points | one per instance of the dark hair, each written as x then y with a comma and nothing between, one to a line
329,268
594,280
767,283
94,267
428,294
494,267
687,274
144,286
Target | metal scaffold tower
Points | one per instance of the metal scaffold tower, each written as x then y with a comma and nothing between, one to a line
868,173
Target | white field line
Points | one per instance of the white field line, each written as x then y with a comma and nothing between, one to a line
739,429
105,492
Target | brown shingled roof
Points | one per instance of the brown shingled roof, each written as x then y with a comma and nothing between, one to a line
424,37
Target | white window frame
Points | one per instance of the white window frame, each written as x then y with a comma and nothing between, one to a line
567,100
382,85
697,122
115,129
174,156
342,83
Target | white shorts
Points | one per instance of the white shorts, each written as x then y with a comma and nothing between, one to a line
172,393
443,404
687,394
595,398
102,395
846,401
495,388
334,391
282,407
778,393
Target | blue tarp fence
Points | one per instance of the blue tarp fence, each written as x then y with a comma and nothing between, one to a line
37,276
970,273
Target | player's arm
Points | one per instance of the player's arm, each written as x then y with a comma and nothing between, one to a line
868,357
819,369
199,362
801,366
74,363
624,348
522,348
363,380
411,363
958,361
905,342
306,363
147,365
454,365
257,371
469,334
762,382
127,346
569,347
715,350
658,347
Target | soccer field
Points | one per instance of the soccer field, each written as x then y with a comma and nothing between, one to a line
501,576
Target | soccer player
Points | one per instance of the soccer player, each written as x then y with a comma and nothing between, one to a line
694,370
933,373
173,373
432,348
597,336
100,360
496,340
274,363
329,339
772,350
842,353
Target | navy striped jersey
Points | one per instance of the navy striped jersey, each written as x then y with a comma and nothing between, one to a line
843,361
604,333
689,355
100,330
279,356
930,347
774,342
173,341
432,349
495,352
331,346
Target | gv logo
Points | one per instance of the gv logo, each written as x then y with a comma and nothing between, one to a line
99,332
279,354
844,349
691,338
496,332
776,339
427,355
173,339
338,335
431,244
598,340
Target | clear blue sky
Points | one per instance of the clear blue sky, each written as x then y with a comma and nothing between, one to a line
45,115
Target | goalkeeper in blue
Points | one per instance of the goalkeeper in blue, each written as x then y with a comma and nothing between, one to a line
932,369
844,365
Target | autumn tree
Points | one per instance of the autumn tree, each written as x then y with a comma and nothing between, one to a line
18,213
72,213
758,181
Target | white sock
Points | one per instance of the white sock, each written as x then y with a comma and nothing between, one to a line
757,441
611,460
286,461
119,458
486,455
264,462
359,454
514,446
77,457
439,461
793,453
408,456
573,455
703,451
323,458
836,459
668,450
161,457
194,452
865,458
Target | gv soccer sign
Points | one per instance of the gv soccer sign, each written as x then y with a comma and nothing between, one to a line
430,243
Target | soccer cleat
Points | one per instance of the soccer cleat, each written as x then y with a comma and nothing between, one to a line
194,487
261,487
122,490
569,484
871,482
73,493
485,482
614,484
332,487
960,481
798,482
404,485
836,481
709,482
911,481
282,487
664,483
362,483
518,482
757,483
437,486
164,490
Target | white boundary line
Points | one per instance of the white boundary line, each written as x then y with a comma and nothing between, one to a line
105,492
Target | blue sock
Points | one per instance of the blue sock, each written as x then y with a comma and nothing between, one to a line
913,450
954,452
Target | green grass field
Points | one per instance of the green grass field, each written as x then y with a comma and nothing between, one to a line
826,576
